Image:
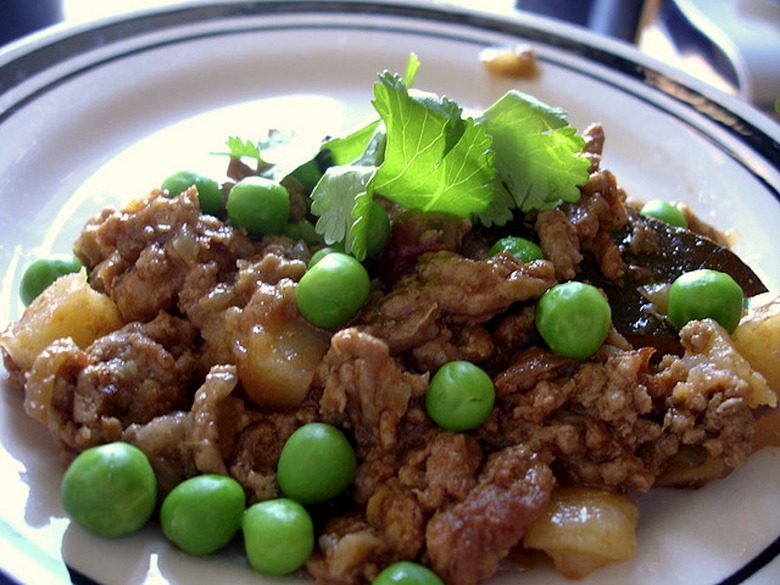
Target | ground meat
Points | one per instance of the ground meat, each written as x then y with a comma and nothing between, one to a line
707,394
442,499
467,540
207,293
461,502
366,388
602,206
512,332
216,420
470,343
415,431
141,256
164,441
395,513
572,231
448,290
594,145
220,433
443,469
617,422
256,452
180,382
591,418
349,551
558,240
600,211
129,376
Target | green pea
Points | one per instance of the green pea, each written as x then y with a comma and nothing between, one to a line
259,205
407,573
316,464
209,191
322,252
110,489
301,230
278,536
703,294
664,211
42,272
460,396
202,514
378,230
573,318
333,290
521,248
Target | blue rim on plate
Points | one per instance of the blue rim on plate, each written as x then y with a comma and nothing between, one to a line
26,74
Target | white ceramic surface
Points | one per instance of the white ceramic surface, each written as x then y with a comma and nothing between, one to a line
94,115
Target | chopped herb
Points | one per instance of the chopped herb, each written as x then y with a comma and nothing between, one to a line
238,149
423,154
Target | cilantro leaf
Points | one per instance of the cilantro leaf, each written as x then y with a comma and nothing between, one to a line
357,238
434,160
353,147
340,200
500,209
424,154
366,145
537,152
238,148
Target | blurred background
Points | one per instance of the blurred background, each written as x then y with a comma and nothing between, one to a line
732,44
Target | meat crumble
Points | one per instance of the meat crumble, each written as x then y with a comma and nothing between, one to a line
198,298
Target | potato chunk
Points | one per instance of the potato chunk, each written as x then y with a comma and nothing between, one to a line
757,338
275,349
279,363
67,308
584,529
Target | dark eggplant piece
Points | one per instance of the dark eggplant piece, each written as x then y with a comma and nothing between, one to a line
655,252
659,252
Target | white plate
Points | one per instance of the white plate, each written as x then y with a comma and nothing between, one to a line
94,115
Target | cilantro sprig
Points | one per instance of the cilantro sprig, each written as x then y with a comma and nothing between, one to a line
239,148
423,153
